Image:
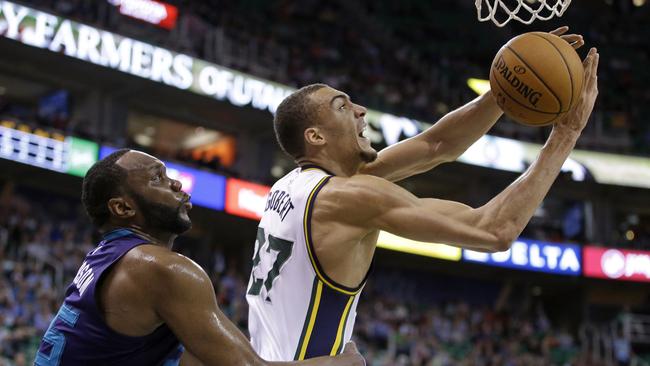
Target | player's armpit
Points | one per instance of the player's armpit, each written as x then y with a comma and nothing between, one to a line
373,203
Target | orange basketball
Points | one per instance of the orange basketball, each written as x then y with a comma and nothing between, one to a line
536,78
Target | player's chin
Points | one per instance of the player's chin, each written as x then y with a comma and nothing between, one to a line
184,224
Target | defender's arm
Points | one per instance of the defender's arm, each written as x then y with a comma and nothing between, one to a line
184,298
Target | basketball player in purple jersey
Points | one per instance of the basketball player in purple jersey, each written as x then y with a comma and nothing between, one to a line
133,300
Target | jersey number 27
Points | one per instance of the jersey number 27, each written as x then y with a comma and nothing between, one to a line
283,249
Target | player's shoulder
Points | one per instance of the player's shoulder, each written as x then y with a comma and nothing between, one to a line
357,185
346,195
151,265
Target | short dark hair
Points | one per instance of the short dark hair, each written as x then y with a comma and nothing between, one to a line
292,117
102,182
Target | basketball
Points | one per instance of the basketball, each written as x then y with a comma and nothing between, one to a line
536,78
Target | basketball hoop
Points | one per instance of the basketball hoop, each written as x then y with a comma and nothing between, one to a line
526,11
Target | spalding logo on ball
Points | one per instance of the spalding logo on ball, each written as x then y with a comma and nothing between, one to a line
536,78
517,84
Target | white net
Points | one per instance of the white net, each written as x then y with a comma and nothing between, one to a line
526,11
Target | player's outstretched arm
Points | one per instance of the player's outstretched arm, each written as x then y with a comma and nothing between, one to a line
443,142
373,203
448,139
183,296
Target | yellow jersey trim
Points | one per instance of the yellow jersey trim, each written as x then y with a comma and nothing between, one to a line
341,330
312,321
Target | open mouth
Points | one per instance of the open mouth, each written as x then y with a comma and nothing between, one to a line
362,133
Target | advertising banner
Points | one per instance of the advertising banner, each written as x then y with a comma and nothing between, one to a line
531,255
50,32
246,199
83,154
155,12
617,264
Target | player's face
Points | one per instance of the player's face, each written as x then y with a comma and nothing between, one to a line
344,125
159,199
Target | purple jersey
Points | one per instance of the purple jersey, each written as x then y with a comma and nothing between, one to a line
78,334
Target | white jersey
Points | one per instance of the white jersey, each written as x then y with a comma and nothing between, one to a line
295,311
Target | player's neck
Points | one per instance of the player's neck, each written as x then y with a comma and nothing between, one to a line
160,238
340,170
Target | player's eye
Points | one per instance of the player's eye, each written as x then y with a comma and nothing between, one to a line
342,107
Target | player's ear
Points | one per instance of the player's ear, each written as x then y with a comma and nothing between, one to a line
121,208
314,136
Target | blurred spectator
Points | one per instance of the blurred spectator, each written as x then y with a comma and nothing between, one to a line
622,349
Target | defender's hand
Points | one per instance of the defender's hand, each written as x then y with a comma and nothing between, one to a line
575,40
576,119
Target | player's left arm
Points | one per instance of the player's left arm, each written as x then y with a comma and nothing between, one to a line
448,139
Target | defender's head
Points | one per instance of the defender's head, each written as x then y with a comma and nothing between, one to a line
129,188
319,120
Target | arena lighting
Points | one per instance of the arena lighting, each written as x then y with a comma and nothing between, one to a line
397,243
617,264
479,86
155,12
71,155
532,255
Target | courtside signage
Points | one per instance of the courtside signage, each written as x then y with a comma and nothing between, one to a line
434,250
155,12
47,31
207,189
531,255
69,155
246,199
617,264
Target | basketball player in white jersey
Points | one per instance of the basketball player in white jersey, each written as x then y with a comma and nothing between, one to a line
318,233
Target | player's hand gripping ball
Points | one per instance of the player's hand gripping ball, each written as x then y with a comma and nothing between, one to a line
536,77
